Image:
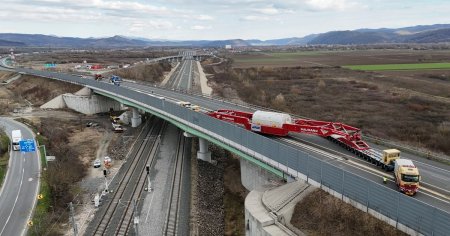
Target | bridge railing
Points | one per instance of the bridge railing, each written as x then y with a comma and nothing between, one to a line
401,211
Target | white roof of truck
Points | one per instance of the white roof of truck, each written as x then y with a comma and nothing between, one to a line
405,162
16,133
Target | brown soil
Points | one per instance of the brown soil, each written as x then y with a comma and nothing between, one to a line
153,73
4,75
339,58
86,142
234,197
94,56
320,213
39,90
410,108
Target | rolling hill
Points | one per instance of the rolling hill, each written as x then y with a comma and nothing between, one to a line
438,33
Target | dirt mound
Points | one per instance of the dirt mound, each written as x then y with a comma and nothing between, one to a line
320,213
40,90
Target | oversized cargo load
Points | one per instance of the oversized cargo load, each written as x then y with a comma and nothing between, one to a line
16,138
271,119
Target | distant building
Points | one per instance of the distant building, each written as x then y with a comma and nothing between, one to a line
228,46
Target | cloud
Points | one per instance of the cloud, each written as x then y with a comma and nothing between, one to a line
141,26
203,17
47,14
337,5
270,10
254,18
200,27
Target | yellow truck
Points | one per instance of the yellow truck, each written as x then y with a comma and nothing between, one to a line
406,174
189,105
388,159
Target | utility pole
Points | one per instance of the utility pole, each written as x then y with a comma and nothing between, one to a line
72,219
105,172
149,188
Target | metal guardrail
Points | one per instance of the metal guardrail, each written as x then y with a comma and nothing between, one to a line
399,208
410,149
418,151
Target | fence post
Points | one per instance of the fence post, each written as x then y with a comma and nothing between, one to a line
368,197
398,203
343,179
307,168
321,166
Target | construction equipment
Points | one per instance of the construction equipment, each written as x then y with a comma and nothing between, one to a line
115,119
98,77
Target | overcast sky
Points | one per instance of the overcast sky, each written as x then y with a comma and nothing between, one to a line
213,19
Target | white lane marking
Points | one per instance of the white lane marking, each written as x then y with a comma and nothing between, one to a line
370,170
15,202
313,149
355,159
332,156
431,166
375,172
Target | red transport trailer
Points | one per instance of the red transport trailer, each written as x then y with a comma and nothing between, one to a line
281,124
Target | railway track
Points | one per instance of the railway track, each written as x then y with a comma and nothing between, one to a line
117,215
171,222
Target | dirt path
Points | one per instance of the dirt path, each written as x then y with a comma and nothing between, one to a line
167,77
203,80
102,150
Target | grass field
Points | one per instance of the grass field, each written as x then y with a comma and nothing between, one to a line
275,58
414,66
43,205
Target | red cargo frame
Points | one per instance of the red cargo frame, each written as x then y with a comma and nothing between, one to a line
346,134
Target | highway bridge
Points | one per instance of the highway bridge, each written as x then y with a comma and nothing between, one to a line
334,171
181,56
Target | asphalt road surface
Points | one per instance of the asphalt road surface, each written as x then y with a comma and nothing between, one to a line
18,195
430,178
435,175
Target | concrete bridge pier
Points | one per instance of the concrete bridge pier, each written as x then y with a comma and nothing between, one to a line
136,118
255,177
203,154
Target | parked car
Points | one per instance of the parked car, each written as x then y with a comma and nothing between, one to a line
97,163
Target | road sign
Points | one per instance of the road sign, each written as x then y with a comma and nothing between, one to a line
40,196
27,145
50,158
30,223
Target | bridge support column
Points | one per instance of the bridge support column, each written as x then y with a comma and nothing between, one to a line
203,154
136,118
255,177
